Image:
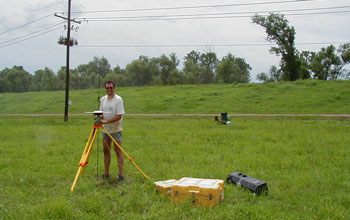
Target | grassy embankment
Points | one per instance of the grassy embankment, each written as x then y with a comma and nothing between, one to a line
315,97
304,160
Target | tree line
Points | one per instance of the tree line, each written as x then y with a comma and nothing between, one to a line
198,68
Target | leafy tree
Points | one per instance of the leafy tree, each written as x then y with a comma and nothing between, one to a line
74,78
100,66
3,85
87,73
98,81
16,79
61,78
242,75
166,66
156,81
117,78
84,81
274,75
45,80
193,56
263,77
306,58
141,72
191,68
208,64
120,80
200,68
3,80
91,81
278,31
326,64
232,69
3,73
36,81
192,72
176,77
97,65
118,70
85,69
344,50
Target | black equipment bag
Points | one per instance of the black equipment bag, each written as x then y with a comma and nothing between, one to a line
254,185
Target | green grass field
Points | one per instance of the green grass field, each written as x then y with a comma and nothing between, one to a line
304,160
300,97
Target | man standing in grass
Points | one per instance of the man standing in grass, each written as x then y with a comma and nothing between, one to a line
113,108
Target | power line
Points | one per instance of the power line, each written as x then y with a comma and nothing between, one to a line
192,7
14,39
205,17
30,37
35,10
206,14
203,45
31,22
318,13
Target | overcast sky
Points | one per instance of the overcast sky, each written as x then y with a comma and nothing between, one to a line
221,26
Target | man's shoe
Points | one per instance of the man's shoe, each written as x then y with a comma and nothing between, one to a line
105,176
120,178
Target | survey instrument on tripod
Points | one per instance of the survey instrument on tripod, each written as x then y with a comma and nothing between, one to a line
88,147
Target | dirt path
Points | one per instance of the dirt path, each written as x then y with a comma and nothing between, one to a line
194,115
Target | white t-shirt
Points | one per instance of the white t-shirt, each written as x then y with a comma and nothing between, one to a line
111,108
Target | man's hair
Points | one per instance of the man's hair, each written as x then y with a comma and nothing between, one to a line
109,82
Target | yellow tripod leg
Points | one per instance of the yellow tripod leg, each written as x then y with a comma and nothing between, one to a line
130,158
85,157
76,179
88,152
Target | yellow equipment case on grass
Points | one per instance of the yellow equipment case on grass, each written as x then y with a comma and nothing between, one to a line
203,192
164,187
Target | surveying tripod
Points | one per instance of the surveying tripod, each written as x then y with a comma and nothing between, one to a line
88,147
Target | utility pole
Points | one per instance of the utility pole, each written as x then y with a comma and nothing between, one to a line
68,42
67,66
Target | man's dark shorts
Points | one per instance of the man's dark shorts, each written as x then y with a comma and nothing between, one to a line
117,136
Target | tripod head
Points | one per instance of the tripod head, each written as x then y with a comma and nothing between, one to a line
97,115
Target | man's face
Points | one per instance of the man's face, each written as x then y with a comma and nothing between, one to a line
109,89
